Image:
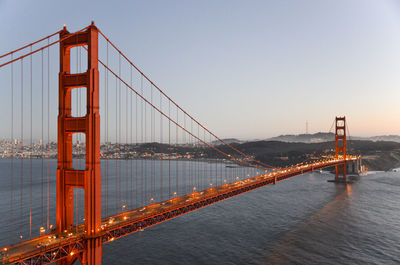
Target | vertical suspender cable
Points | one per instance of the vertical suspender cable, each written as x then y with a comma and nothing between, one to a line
119,133
151,140
226,173
131,141
161,143
126,147
199,166
102,109
216,166
204,177
141,141
48,135
154,147
12,153
190,159
21,177
30,158
42,141
223,180
184,176
105,153
116,144
107,125
176,154
196,161
137,152
153,180
146,164
190,155
169,150
195,158
210,166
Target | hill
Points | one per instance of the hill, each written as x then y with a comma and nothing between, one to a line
326,137
377,155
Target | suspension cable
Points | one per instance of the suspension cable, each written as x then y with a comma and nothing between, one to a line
148,102
44,47
151,82
30,44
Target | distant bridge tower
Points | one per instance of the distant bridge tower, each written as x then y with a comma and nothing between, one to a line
69,178
340,148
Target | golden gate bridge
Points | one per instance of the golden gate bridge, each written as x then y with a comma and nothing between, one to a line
163,162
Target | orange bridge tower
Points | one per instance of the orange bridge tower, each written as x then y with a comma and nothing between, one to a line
69,178
340,149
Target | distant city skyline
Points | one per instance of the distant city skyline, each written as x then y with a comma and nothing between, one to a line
245,69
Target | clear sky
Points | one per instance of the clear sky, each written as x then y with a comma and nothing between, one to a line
247,69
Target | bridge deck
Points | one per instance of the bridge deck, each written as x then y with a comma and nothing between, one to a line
52,247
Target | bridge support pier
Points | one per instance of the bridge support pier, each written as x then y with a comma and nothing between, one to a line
93,253
354,167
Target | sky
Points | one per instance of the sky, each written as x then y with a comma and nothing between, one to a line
246,69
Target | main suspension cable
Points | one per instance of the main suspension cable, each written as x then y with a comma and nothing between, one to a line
152,83
181,127
29,45
44,47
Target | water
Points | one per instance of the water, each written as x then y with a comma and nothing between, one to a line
303,220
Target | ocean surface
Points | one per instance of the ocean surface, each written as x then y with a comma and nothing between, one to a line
302,220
